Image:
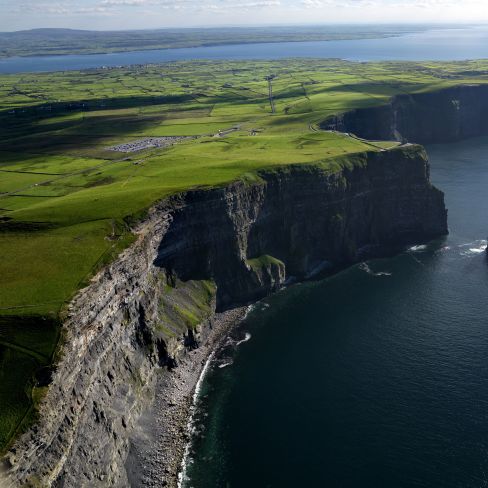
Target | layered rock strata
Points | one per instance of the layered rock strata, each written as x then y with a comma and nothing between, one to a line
199,253
447,115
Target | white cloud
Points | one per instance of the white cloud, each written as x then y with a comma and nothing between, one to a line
58,8
125,3
167,13
193,4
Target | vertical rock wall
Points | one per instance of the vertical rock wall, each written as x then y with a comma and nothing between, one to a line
197,253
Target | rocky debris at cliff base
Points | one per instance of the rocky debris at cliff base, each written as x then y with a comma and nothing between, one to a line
159,441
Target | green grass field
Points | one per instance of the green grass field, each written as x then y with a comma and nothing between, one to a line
66,198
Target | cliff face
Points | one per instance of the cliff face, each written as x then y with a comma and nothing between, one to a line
200,252
302,218
442,116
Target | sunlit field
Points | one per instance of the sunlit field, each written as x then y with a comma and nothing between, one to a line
68,198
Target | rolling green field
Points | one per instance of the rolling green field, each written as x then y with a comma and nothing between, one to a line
68,199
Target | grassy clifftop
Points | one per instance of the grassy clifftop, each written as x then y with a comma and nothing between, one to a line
65,195
68,191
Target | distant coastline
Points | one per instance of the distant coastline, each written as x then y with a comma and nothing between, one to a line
440,44
65,42
210,44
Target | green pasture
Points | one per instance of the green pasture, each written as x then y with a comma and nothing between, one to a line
66,198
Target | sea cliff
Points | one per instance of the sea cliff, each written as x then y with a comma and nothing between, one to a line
198,254
447,115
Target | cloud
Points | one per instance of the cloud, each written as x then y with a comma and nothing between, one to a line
193,4
144,7
174,13
240,5
58,8
390,4
125,3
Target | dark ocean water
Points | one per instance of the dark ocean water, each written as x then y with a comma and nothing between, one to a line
375,377
441,45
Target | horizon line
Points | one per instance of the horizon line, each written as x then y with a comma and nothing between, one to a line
262,26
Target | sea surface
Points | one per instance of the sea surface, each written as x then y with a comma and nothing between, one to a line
375,377
440,44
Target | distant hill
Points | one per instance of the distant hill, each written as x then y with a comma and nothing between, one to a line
49,41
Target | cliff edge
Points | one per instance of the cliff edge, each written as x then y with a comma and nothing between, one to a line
447,115
199,253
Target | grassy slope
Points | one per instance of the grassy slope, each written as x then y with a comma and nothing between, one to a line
65,197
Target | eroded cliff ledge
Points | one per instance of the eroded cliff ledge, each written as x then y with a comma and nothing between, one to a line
198,253
446,115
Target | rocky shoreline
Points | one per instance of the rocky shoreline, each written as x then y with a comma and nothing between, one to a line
162,434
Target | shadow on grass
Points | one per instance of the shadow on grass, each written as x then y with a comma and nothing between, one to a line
27,350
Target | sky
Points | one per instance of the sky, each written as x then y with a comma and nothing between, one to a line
148,14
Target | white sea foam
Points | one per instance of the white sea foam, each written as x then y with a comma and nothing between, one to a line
186,461
444,249
224,365
419,248
249,309
247,337
473,248
191,427
365,267
477,243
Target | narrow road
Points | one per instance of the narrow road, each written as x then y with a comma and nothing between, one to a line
271,101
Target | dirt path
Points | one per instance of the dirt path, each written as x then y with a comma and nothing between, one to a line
270,91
